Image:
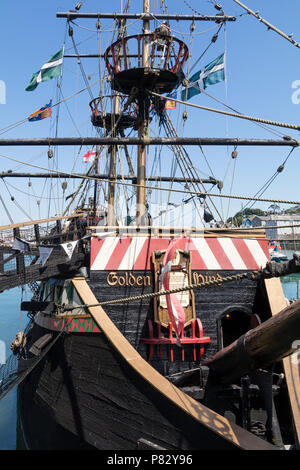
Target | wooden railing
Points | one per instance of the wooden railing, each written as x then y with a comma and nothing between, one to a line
127,53
22,267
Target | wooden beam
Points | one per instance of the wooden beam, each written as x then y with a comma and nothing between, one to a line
142,16
277,302
37,272
40,221
237,436
46,141
269,342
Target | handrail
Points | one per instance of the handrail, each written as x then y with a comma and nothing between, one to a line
116,65
40,221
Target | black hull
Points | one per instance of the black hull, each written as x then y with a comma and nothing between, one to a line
84,396
86,393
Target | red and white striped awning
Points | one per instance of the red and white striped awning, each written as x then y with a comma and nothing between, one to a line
134,253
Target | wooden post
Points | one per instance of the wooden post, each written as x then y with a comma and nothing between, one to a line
1,263
20,263
37,234
268,343
290,364
143,129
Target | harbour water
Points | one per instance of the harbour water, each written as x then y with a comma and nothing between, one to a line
10,321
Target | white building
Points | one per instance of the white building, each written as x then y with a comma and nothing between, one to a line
286,226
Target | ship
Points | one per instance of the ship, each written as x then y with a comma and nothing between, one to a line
144,333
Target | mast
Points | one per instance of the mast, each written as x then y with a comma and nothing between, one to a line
112,171
143,128
111,215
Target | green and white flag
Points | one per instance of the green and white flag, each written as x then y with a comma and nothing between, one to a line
211,74
50,70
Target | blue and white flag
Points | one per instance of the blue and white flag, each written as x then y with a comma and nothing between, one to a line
213,73
20,245
45,251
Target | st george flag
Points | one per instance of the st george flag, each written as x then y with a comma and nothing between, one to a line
88,157
42,113
211,74
175,309
49,70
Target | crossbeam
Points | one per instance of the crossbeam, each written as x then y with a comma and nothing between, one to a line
204,141
6,174
72,15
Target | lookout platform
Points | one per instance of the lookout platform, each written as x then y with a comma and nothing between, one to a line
125,60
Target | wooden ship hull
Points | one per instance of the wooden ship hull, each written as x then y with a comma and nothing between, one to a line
130,325
116,378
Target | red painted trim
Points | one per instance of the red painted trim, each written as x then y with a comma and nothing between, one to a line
265,248
245,253
219,253
197,261
96,246
118,254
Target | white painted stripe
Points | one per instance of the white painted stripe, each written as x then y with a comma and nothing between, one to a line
232,253
206,73
49,65
105,253
257,252
132,253
206,253
55,63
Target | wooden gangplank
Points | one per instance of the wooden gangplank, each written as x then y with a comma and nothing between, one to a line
212,421
291,364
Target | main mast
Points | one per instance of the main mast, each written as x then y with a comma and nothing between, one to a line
137,65
143,130
111,215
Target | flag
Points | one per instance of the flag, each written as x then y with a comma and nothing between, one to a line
69,248
87,156
175,309
42,113
169,103
49,70
208,217
211,74
20,245
45,251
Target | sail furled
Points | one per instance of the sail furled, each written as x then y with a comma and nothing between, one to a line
49,70
212,73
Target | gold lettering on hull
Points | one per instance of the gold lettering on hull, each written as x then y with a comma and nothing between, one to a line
127,279
130,280
199,279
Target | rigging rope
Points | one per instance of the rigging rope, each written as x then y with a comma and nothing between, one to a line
269,25
210,283
219,111
270,180
281,201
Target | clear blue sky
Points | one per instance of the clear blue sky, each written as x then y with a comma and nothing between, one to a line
261,67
